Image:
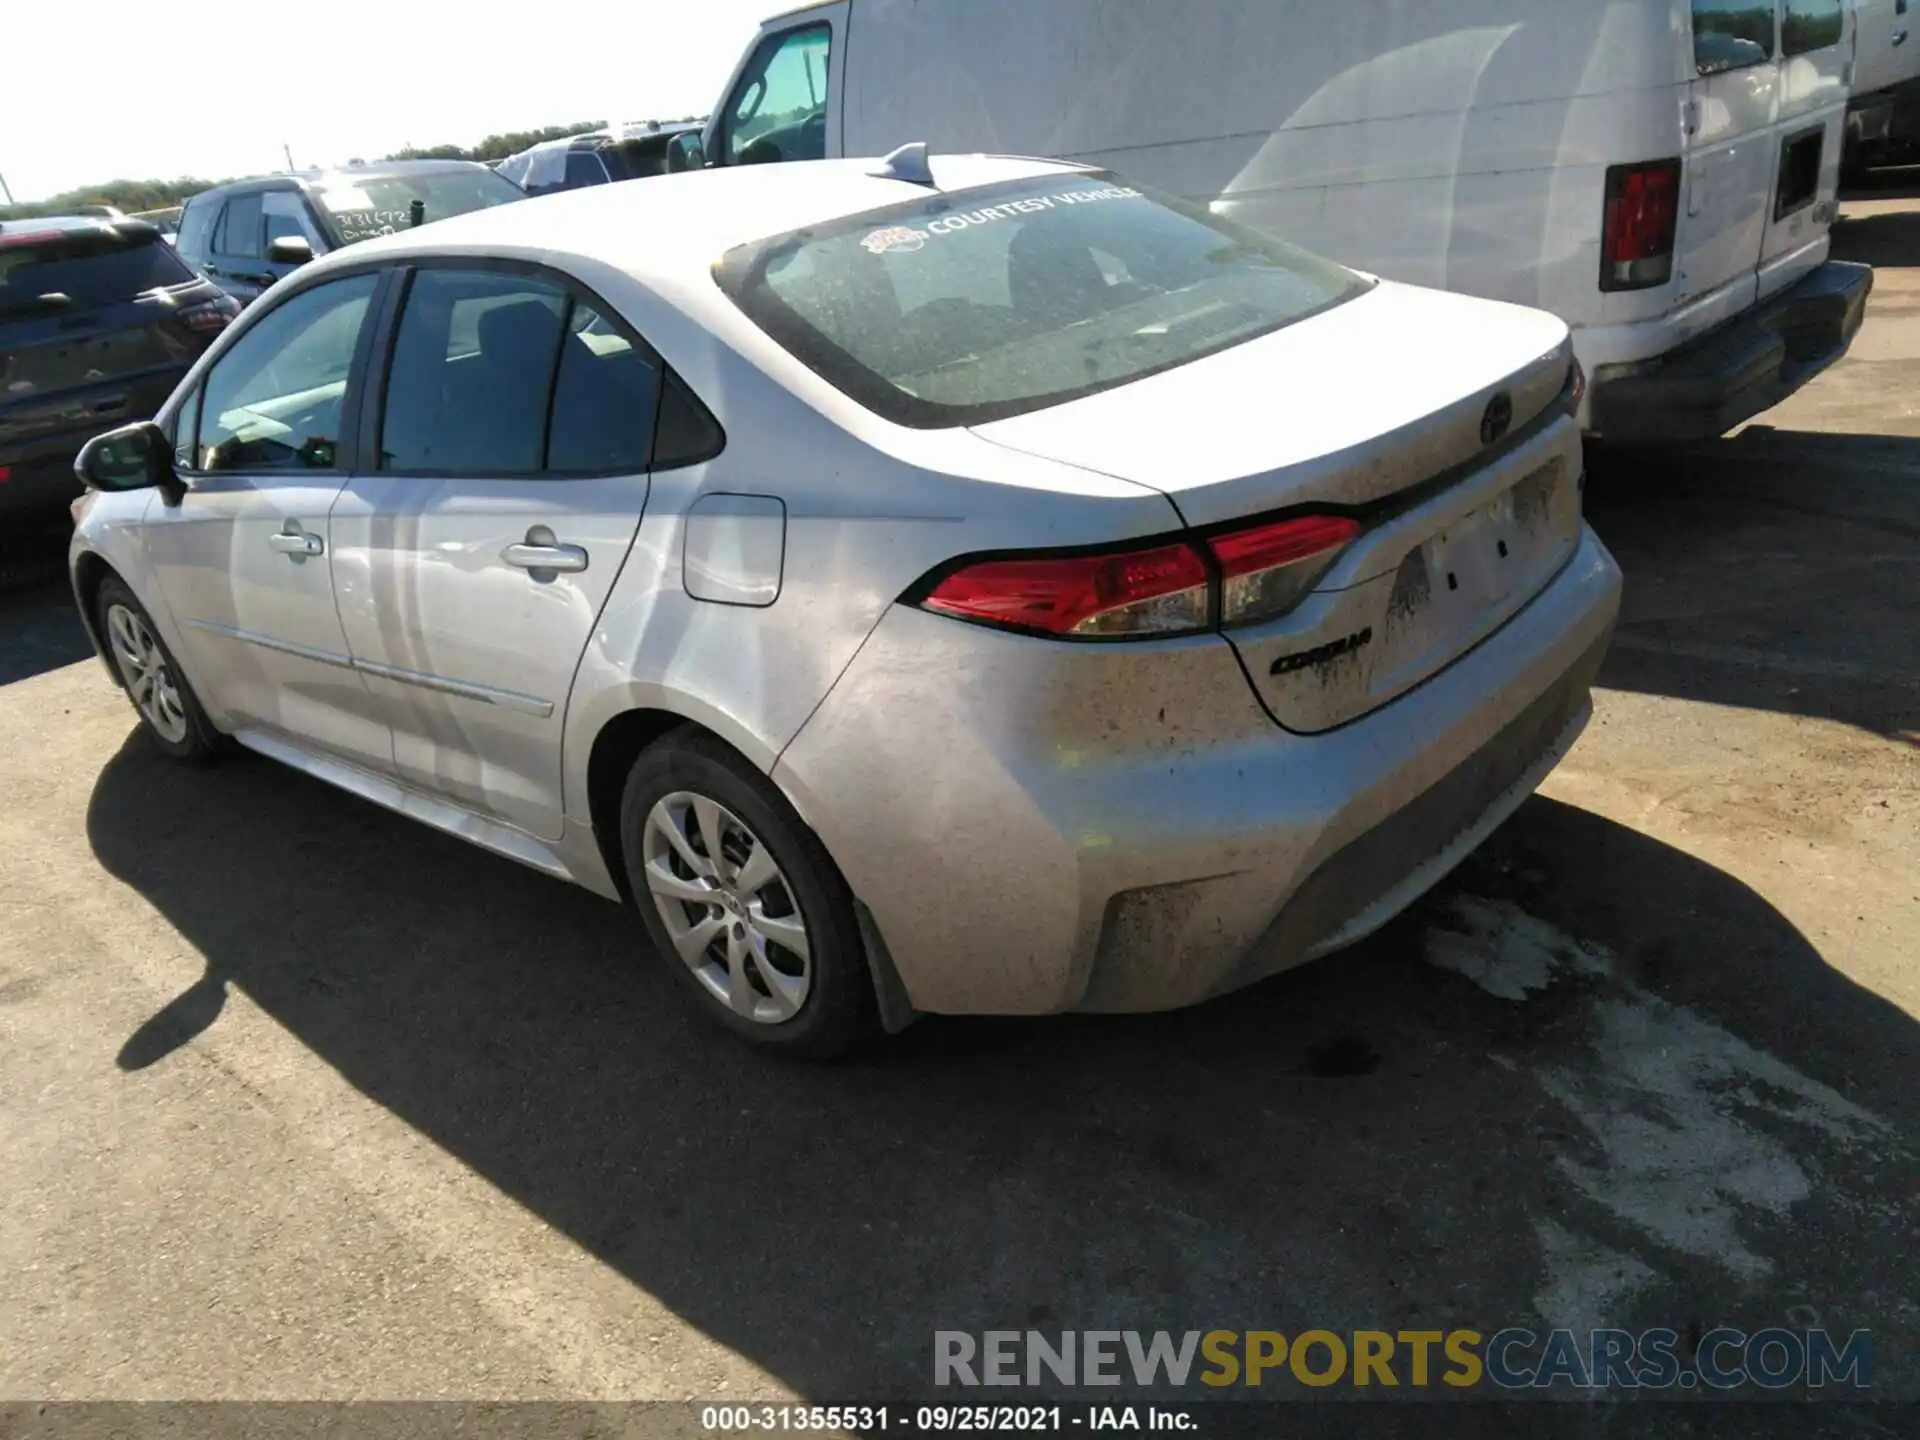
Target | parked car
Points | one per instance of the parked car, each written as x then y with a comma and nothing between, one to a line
963,585
628,152
1660,174
1883,115
247,234
98,322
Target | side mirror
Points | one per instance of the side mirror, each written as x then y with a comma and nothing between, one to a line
134,457
686,151
290,250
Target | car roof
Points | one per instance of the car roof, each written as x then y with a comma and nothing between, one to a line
66,224
672,226
611,135
322,179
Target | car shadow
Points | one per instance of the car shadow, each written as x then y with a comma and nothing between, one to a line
1885,239
1771,570
1892,182
40,629
1363,1142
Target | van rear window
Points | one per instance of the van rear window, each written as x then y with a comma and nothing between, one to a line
1732,34
977,305
1812,25
95,266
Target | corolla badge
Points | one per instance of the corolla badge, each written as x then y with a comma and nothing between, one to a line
1497,420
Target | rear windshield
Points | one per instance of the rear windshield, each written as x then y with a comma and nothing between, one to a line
974,306
363,208
89,267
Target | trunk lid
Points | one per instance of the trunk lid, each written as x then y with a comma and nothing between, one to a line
1436,419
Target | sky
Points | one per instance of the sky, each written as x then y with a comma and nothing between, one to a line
226,82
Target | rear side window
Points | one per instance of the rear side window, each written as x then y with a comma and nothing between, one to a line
973,306
274,401
1812,25
241,231
196,227
604,400
472,364
1732,34
91,267
495,373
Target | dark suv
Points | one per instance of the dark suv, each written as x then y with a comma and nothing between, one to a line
247,234
99,319
632,152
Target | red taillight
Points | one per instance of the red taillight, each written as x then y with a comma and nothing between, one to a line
210,316
1165,591
1643,207
6,473
1257,573
1267,570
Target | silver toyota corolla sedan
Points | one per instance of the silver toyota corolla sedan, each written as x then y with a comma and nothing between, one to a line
965,586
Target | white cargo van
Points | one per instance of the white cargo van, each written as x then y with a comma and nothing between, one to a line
1883,118
1660,174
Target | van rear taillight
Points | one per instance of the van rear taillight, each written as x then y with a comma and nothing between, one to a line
1643,209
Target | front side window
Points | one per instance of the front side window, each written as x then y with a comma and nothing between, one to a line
186,427
1732,34
779,110
286,219
976,305
274,401
362,207
1812,25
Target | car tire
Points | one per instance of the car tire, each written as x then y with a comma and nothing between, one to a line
170,713
814,1005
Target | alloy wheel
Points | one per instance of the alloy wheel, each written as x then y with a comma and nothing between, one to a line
728,908
148,677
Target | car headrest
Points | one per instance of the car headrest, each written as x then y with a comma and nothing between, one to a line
512,330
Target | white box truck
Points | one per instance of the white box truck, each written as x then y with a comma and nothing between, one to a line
1883,117
1661,174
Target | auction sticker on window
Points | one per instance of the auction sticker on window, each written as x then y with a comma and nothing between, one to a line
894,240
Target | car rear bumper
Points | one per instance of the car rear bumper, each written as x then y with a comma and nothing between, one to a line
1706,387
1038,828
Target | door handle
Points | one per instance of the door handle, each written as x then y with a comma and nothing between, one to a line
296,542
540,551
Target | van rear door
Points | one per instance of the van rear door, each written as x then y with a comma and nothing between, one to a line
1730,155
1816,60
1766,114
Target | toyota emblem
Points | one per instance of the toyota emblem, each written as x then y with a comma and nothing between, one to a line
1498,418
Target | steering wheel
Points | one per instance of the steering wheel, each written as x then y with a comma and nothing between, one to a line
761,151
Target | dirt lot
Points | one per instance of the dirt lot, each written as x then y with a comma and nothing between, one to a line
302,1100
